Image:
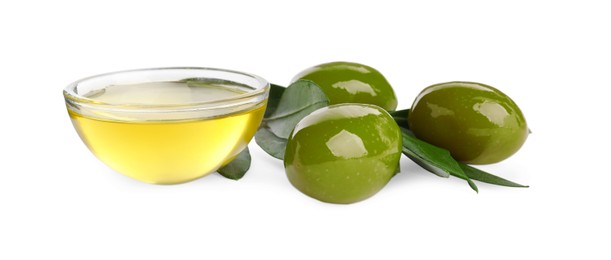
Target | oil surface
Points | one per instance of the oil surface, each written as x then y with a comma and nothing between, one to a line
167,151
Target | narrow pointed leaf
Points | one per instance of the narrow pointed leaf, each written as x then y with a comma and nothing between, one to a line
479,175
432,158
400,116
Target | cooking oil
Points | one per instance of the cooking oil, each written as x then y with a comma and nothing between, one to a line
167,146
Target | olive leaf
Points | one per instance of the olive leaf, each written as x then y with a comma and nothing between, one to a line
477,174
432,158
268,141
440,163
400,116
271,143
275,93
297,101
236,169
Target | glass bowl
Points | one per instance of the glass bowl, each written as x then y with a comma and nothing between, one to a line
167,125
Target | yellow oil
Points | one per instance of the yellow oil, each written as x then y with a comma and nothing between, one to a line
167,151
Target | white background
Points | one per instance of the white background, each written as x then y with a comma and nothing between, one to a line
57,201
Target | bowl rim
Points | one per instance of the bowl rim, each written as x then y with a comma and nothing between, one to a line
75,99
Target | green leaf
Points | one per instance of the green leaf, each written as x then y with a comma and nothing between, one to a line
236,169
477,174
286,108
432,158
270,143
275,93
400,116
299,100
267,140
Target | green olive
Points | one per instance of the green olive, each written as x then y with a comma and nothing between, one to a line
347,82
477,123
343,153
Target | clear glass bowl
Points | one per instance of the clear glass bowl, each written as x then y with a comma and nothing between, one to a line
167,125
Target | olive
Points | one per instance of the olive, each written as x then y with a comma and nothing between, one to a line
477,123
343,153
348,82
